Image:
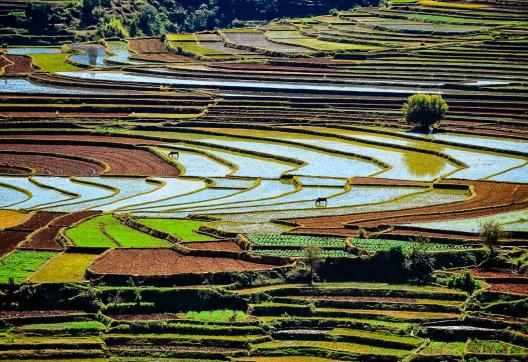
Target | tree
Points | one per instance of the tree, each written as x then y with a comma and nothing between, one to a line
314,257
490,233
424,110
419,264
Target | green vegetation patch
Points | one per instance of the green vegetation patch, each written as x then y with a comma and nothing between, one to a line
444,348
476,346
290,346
19,265
407,246
82,326
181,228
64,268
225,315
53,62
106,231
294,240
299,253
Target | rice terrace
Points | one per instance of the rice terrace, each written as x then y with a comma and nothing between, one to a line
255,180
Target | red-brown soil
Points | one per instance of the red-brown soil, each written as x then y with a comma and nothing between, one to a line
122,161
510,288
43,239
36,313
48,165
10,240
214,245
8,168
144,317
165,262
70,219
38,220
21,64
489,198
362,299
479,273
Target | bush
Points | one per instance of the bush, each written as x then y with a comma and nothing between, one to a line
464,282
490,234
424,110
419,264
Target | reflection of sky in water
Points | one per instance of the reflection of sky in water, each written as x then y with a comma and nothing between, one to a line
124,77
33,50
92,55
15,85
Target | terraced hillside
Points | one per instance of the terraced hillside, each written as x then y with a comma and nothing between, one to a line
254,194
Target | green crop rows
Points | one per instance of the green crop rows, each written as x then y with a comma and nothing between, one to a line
407,246
294,241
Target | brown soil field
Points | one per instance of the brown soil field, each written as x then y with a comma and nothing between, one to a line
83,138
9,169
11,218
362,299
43,239
38,220
167,262
51,165
479,273
215,245
10,240
70,219
36,313
144,317
510,288
490,198
21,64
122,161
38,114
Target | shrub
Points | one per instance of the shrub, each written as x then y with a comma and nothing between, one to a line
314,257
424,110
464,282
490,234
419,264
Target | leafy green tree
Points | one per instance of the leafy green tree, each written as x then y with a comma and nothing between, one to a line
424,110
314,257
465,282
419,264
490,233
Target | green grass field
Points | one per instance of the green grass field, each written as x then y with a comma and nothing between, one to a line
106,231
53,62
21,264
181,228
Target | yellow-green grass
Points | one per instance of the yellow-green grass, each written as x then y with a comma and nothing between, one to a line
195,48
181,228
53,62
445,4
375,335
10,218
83,326
64,268
456,20
444,348
333,346
288,359
321,45
106,231
18,266
181,37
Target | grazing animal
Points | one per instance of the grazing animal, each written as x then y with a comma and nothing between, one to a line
174,154
321,201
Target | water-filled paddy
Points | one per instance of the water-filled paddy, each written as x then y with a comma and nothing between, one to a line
91,55
86,192
15,85
199,165
283,86
317,163
39,195
32,50
171,188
